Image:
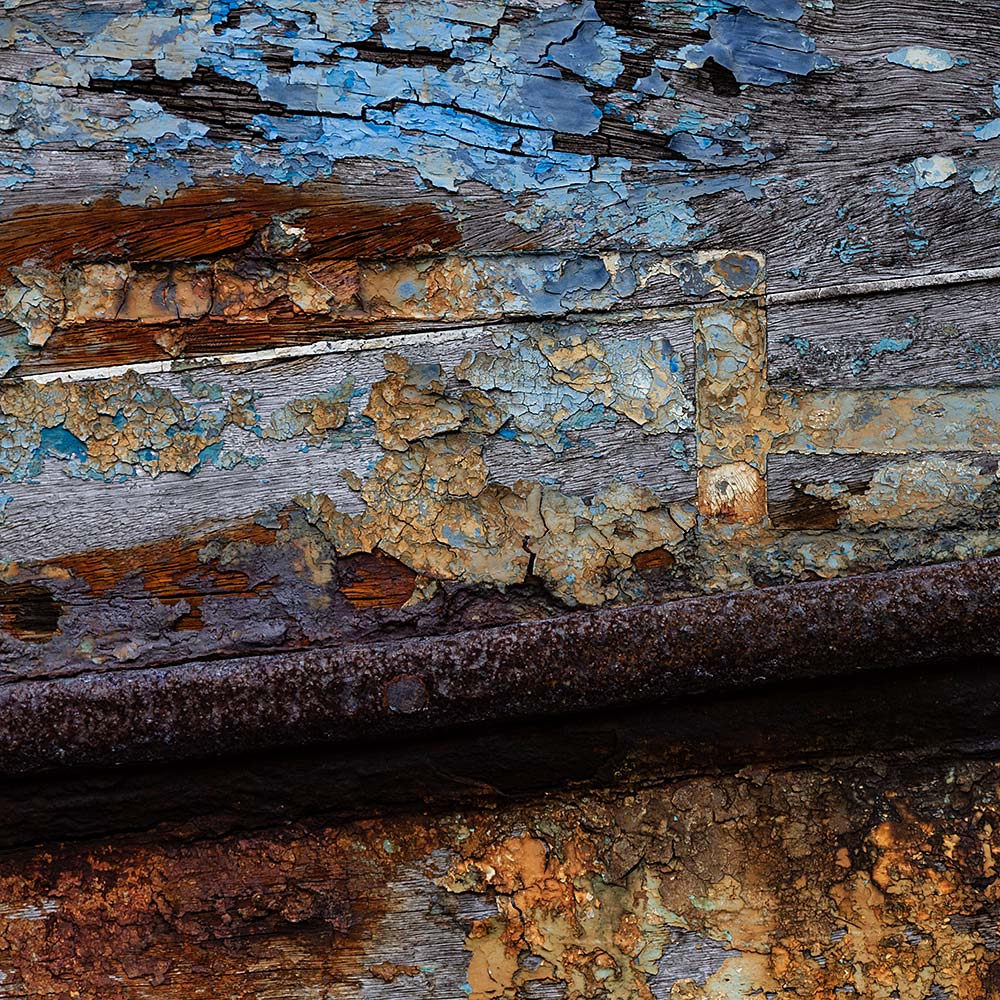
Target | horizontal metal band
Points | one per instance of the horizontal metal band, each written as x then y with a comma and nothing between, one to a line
600,659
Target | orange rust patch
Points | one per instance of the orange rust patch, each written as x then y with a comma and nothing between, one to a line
376,581
209,220
96,345
171,570
593,886
202,224
654,559
388,971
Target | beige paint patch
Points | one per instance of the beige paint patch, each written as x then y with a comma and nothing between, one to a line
886,421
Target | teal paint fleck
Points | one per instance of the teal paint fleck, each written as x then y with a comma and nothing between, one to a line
887,345
848,252
890,345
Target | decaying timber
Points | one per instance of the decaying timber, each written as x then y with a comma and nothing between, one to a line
381,381
316,315
616,452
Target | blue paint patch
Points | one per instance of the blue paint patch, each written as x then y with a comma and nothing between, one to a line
890,345
588,273
61,443
725,144
848,252
209,454
654,85
921,57
986,180
991,130
934,171
681,459
759,44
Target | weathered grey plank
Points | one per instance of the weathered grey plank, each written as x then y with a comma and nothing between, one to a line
260,456
933,337
821,491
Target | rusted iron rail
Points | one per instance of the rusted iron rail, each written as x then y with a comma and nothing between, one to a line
599,660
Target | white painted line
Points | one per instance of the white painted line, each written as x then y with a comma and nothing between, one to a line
883,285
314,349
327,347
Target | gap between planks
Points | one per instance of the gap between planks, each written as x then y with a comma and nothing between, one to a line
880,285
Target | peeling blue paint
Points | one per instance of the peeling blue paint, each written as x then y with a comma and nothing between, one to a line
934,171
991,130
60,443
986,180
799,343
921,57
889,345
759,44
848,252
489,114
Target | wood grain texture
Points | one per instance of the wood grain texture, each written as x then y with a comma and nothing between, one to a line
328,325
817,170
272,471
933,337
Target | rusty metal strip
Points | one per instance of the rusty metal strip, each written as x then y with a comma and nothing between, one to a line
603,659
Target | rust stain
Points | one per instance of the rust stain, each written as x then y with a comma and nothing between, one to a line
868,878
210,220
375,580
387,972
654,559
171,571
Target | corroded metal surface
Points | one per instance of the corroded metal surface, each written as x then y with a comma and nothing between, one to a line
598,660
872,877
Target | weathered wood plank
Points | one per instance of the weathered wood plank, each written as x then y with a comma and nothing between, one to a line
130,315
823,491
825,159
611,457
923,337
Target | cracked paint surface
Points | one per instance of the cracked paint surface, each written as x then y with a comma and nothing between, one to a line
888,422
260,286
869,877
562,111
927,491
430,491
114,429
487,107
